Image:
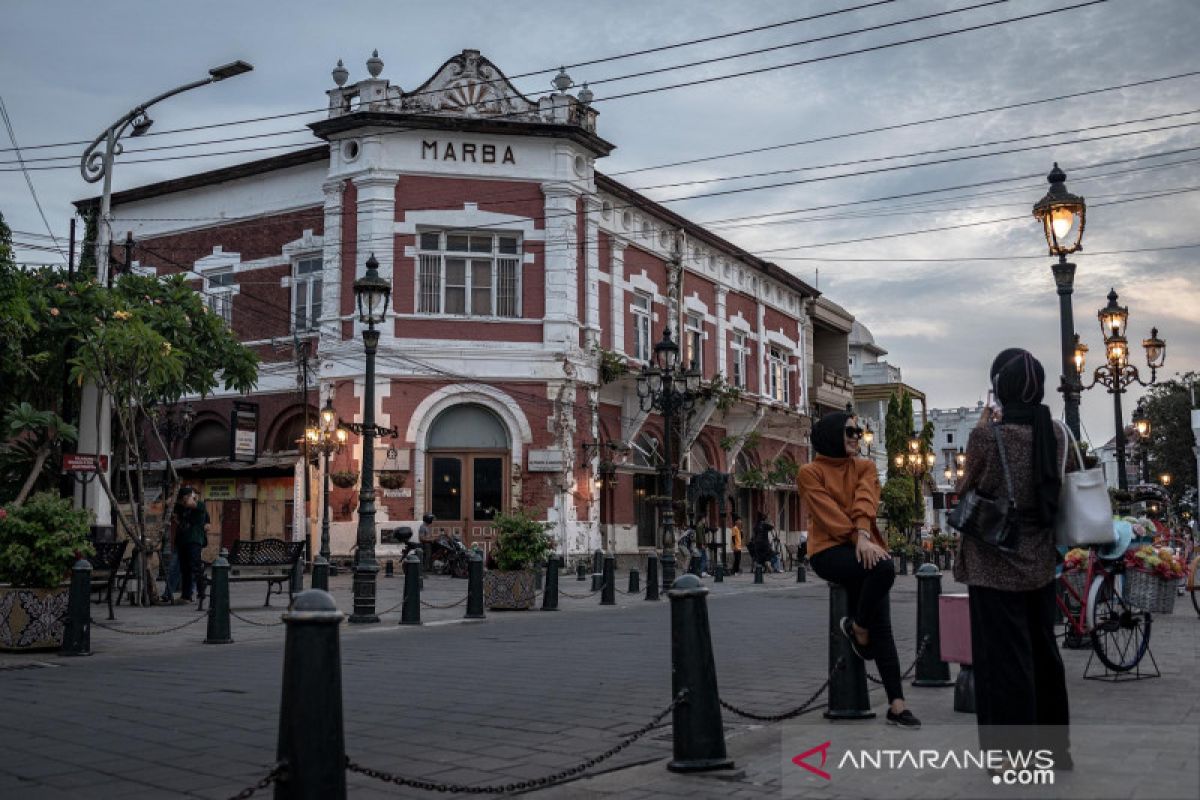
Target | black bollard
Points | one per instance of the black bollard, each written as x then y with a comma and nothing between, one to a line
550,593
719,573
696,730
475,586
652,577
597,570
931,670
297,579
964,690
538,582
635,581
758,573
848,698
410,614
389,569
667,565
218,603
77,637
608,592
311,742
580,570
320,574
903,564
801,573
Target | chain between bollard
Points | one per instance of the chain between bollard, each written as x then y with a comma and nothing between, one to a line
534,783
580,596
129,632
233,613
803,708
920,652
275,774
390,610
443,608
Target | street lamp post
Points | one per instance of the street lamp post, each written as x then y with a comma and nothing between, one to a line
917,462
372,293
1063,216
325,439
1141,424
1117,373
97,164
668,389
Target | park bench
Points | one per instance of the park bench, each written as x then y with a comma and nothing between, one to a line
106,563
267,560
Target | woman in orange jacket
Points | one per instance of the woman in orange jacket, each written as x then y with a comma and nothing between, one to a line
844,546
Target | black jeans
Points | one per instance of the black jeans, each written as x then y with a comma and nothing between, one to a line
868,593
737,561
1019,675
191,570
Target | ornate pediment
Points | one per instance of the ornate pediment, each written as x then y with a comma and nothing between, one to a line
469,85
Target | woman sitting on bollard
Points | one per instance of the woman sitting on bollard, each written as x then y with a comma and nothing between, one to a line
1019,677
844,547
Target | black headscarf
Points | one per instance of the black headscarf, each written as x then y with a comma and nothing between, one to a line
1019,381
829,434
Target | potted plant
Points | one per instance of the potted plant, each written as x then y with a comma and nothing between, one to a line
392,479
1151,574
39,541
521,542
344,478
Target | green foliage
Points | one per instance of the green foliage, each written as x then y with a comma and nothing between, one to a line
521,540
30,438
898,503
749,442
897,542
612,366
753,478
1171,444
783,471
40,539
725,394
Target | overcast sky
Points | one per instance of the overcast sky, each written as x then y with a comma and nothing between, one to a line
68,72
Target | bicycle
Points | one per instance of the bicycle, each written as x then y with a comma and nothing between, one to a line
1119,633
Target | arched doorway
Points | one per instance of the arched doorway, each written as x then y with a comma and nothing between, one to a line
468,452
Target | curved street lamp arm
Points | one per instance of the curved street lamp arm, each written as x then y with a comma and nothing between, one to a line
91,165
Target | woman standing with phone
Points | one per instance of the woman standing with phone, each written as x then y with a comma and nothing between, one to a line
844,546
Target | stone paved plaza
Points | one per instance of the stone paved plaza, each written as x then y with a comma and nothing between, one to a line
518,696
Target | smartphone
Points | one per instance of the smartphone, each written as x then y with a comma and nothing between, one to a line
994,404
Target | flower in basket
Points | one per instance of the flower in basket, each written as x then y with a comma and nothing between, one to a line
1158,561
1075,558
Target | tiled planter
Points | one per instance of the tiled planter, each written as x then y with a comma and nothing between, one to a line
32,619
506,590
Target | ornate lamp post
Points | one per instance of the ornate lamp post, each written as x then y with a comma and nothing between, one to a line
1063,215
1117,372
917,462
954,469
1141,424
668,389
371,293
97,164
325,439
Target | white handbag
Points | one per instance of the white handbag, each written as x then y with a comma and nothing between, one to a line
1084,512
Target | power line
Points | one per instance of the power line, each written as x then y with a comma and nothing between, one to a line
28,180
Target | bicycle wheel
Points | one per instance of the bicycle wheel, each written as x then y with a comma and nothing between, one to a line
1120,632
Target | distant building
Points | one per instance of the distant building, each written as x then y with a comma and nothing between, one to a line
951,427
875,381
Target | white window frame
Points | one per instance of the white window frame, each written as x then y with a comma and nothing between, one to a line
694,344
642,325
504,267
305,283
741,358
778,385
219,296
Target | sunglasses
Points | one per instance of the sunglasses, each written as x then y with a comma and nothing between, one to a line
854,433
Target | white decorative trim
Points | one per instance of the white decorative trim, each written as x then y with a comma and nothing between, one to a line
642,282
738,322
780,339
217,260
693,303
469,217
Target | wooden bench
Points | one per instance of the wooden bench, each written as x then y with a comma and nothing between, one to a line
267,560
106,563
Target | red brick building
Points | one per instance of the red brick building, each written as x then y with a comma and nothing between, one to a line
517,270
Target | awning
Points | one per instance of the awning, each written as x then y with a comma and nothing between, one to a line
281,464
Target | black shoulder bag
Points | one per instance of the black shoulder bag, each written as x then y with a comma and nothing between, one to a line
990,520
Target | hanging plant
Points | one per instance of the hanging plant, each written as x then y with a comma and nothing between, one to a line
612,366
344,479
724,394
392,479
753,478
783,471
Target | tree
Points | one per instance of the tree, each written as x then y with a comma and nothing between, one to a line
32,438
1169,406
897,501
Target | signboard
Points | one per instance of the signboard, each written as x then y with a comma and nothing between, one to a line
243,432
83,462
220,489
405,492
547,461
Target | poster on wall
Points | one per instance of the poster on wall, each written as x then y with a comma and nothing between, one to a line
220,489
243,430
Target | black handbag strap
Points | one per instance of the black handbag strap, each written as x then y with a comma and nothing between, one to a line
1012,499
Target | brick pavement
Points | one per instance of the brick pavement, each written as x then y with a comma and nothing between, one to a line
517,696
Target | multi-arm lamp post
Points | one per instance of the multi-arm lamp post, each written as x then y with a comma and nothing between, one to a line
1141,424
325,439
954,469
667,388
1117,373
371,293
917,462
1063,216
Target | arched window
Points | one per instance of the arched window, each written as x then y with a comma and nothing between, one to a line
288,436
467,427
208,439
698,459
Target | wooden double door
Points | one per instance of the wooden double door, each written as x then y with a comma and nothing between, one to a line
464,492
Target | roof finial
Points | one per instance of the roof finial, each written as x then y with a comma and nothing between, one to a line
562,81
374,64
340,73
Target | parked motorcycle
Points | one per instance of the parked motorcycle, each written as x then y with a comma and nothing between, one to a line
449,556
